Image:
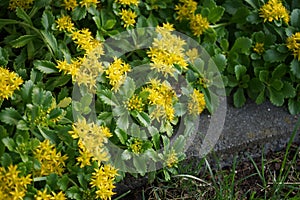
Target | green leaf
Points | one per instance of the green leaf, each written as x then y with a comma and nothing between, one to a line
239,98
295,18
294,106
9,143
279,71
45,66
261,97
218,60
295,68
6,160
276,97
215,14
272,55
276,84
47,19
239,71
152,21
10,116
264,76
240,16
126,155
23,15
140,164
127,89
179,144
65,102
63,182
143,118
50,40
242,45
26,91
3,57
108,97
156,141
109,24
73,193
123,121
79,13
22,40
288,90
122,135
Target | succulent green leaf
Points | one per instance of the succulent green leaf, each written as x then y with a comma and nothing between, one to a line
23,15
276,84
10,116
295,18
218,60
239,71
79,13
272,55
45,66
242,45
22,40
295,68
239,98
279,71
3,57
294,106
288,90
121,135
276,97
47,19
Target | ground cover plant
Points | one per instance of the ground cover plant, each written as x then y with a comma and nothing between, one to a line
76,112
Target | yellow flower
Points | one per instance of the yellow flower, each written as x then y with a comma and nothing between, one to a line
65,23
135,103
69,68
167,50
197,103
103,179
84,39
293,44
50,160
42,195
92,138
274,10
89,3
9,82
198,24
192,54
12,185
58,196
25,4
185,10
117,73
70,4
128,17
136,146
172,159
162,96
128,2
259,48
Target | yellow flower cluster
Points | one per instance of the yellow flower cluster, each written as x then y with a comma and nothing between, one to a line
135,103
88,3
84,39
92,138
43,195
25,4
199,24
9,82
128,17
127,2
172,159
274,10
162,96
69,68
293,44
65,23
103,179
186,9
83,70
12,185
167,50
136,146
197,103
259,48
117,73
50,160
70,4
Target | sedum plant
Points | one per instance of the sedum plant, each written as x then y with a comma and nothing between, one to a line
94,89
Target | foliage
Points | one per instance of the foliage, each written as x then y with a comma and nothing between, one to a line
55,46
